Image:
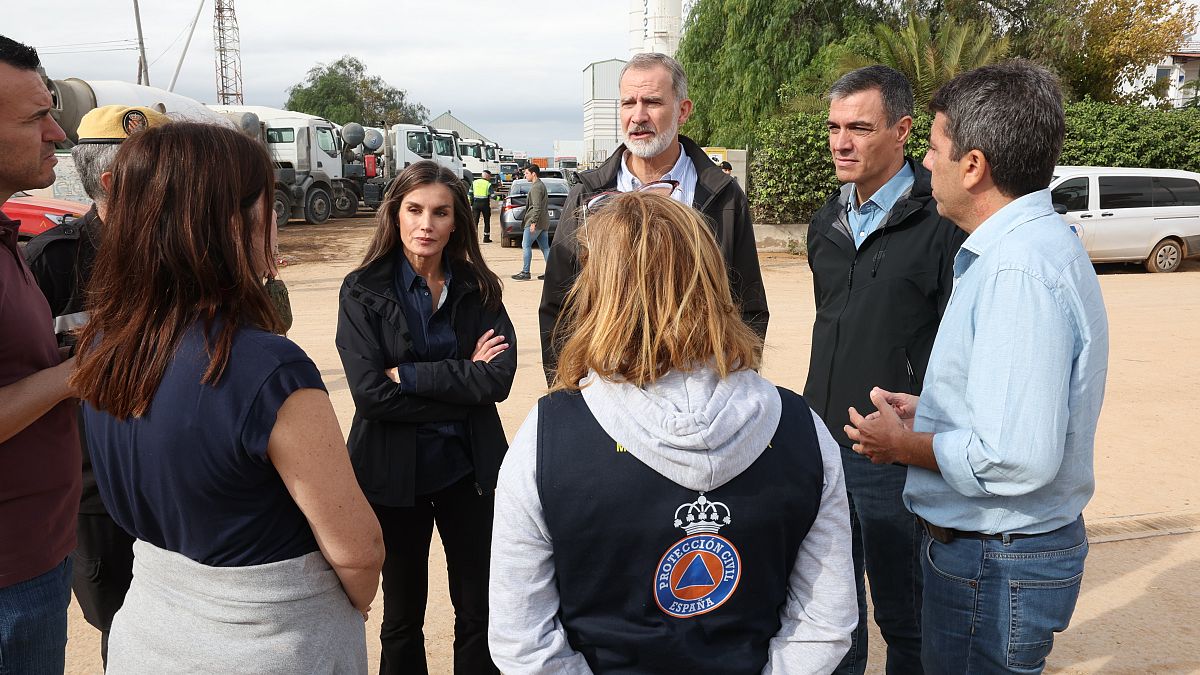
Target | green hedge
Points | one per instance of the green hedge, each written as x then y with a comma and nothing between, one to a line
791,172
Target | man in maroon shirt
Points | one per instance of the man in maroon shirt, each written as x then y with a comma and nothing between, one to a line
39,444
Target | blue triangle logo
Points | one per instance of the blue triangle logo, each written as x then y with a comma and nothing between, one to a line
695,575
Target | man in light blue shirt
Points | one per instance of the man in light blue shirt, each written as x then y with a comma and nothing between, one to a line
866,217
1000,444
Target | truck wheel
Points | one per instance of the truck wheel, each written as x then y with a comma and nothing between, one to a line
1166,256
317,206
345,204
283,208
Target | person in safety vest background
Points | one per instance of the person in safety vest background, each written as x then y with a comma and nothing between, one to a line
482,192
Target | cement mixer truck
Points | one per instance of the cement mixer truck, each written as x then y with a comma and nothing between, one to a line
73,98
315,173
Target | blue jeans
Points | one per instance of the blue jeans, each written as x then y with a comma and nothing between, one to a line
33,623
994,605
886,544
543,241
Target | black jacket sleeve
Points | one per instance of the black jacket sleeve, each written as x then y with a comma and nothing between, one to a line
561,269
747,276
467,382
377,397
53,266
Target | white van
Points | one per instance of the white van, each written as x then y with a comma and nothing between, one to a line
1151,216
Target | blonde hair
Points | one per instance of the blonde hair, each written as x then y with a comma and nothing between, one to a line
652,296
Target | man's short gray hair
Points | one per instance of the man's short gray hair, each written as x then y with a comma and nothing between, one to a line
893,88
92,160
1011,112
648,60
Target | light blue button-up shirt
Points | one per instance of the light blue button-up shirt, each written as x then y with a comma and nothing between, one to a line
683,171
1016,379
870,214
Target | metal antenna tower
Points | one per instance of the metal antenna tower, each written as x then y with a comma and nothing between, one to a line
228,52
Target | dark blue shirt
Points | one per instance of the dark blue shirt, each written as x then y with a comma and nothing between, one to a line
192,475
441,446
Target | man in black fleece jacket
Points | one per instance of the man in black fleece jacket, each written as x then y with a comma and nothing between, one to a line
654,103
882,263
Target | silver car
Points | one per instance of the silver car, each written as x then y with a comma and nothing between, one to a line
514,208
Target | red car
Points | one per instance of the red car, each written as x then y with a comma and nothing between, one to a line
38,214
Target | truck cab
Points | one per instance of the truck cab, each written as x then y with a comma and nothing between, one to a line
308,154
474,155
445,151
492,153
403,144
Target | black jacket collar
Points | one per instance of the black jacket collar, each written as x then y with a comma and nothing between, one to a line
378,276
710,180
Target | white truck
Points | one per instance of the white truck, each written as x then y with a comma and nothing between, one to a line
474,155
492,151
315,177
445,151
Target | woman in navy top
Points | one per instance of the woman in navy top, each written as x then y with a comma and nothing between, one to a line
213,440
428,351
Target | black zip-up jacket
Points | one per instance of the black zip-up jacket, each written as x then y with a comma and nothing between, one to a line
878,306
61,260
373,336
718,197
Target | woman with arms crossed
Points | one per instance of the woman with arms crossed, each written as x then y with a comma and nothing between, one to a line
213,440
428,351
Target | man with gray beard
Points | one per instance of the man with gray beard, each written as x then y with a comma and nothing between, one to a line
654,156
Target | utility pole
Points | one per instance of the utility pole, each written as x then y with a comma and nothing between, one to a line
188,43
228,53
143,66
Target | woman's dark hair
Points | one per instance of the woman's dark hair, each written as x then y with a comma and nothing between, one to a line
186,239
463,246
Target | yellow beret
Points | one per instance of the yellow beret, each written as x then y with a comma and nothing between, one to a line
115,123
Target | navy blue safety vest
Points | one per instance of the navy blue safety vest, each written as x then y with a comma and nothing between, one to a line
656,578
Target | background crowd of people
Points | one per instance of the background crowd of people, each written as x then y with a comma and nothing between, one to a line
663,508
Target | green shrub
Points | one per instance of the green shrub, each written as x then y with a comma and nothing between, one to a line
792,171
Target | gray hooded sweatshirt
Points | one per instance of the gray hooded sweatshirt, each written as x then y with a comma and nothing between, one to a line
701,432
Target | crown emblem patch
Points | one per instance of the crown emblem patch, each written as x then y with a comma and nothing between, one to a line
700,572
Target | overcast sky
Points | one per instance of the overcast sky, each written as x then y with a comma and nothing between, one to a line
512,70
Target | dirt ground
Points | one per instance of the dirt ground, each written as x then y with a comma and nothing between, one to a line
1138,609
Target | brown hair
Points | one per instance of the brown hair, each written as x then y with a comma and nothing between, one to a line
463,246
652,296
186,240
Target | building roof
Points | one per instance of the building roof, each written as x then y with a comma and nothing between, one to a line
596,63
448,121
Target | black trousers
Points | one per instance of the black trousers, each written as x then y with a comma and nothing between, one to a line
464,522
103,570
482,208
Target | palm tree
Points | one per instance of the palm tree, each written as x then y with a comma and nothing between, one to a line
930,61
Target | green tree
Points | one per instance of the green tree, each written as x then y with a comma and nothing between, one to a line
342,92
739,53
806,91
930,59
1103,50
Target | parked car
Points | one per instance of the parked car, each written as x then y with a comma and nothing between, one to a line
1151,216
514,208
38,214
553,173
